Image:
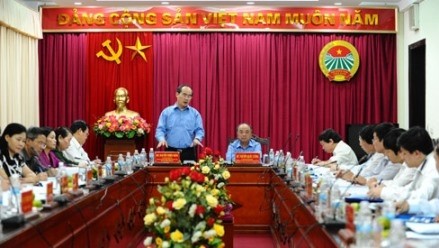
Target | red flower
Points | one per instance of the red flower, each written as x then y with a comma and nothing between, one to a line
202,155
174,175
196,177
185,171
208,151
218,209
168,205
210,221
200,210
216,153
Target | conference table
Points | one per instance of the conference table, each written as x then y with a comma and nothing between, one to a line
112,216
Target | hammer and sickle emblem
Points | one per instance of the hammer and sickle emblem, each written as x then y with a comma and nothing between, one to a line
114,56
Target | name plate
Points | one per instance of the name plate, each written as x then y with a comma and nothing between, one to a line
247,158
75,182
26,201
49,192
166,157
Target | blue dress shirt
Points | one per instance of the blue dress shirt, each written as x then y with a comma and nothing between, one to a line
235,146
179,127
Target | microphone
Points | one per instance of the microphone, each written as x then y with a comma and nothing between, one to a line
287,141
346,190
295,144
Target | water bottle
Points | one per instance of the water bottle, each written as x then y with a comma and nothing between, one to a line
289,165
363,226
301,168
136,158
129,163
336,204
397,233
121,163
151,156
108,169
281,158
16,194
276,159
271,157
323,200
143,157
61,178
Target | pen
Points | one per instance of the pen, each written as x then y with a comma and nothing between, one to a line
314,160
379,183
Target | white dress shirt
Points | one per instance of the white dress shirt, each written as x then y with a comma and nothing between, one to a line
425,184
343,154
385,170
401,179
424,207
371,163
76,153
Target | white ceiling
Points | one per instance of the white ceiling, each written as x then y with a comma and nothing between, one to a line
401,4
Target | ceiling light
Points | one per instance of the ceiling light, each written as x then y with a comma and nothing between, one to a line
338,4
77,3
250,3
165,3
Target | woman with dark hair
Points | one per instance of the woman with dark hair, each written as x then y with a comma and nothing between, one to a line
47,157
11,144
62,139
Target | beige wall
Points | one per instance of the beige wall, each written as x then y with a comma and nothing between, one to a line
428,30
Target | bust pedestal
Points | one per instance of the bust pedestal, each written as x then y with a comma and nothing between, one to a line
114,146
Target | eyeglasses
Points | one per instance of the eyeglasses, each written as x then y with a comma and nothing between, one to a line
186,95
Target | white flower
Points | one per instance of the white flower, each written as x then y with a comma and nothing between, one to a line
211,200
149,218
220,185
205,169
179,203
192,210
209,234
196,236
147,241
201,225
166,244
165,223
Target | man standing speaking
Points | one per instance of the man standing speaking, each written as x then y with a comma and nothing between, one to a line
180,127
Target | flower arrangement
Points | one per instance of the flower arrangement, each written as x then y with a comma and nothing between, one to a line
121,127
193,201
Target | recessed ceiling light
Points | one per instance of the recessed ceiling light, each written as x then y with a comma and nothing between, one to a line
77,3
337,4
250,3
165,3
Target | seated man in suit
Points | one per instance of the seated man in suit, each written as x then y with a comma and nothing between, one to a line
243,143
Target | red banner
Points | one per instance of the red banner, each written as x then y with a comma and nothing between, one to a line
266,19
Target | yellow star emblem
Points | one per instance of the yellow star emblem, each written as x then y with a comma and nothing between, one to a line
137,48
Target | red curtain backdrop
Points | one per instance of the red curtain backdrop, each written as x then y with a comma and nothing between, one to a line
62,78
273,81
65,56
104,77
270,80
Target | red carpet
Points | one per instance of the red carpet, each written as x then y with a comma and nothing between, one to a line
247,240
254,240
